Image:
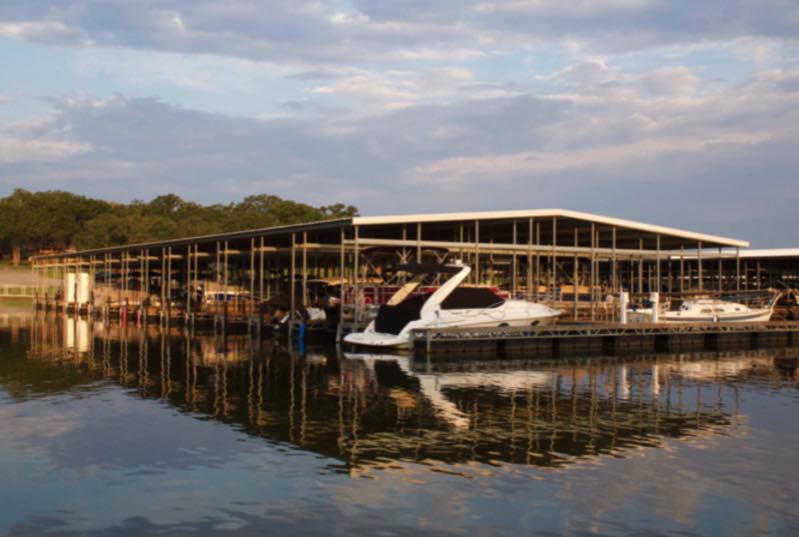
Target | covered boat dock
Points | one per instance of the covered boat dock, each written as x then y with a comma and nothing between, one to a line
577,262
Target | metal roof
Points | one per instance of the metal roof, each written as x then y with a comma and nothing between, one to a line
233,235
709,240
771,253
762,253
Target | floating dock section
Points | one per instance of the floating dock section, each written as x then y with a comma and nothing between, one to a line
587,338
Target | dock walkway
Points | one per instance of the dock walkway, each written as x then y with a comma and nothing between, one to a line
603,337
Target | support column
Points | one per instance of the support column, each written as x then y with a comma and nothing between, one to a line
699,265
225,261
92,276
575,272
477,252
537,276
682,269
614,278
737,269
592,281
251,313
169,285
554,261
141,282
342,261
355,272
196,279
746,275
189,286
163,285
530,261
305,269
641,267
514,263
418,243
146,285
657,278
261,272
292,286
757,282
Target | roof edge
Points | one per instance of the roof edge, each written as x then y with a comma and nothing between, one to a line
541,213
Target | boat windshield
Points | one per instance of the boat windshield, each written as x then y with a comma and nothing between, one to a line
406,304
418,285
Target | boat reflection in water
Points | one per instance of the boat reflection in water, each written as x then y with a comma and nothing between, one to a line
368,412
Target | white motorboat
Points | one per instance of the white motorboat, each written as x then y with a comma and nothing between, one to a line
451,305
706,310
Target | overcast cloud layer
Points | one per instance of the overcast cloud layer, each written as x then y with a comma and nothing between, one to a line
678,113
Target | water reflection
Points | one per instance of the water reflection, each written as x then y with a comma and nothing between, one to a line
367,412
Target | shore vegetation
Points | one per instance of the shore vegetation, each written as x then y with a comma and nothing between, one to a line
39,222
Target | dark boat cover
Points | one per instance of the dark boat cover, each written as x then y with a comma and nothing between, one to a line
471,298
392,319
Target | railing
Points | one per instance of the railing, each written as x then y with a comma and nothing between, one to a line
17,291
8,290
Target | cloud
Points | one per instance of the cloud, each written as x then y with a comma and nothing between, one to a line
36,30
640,142
370,92
316,32
670,80
17,150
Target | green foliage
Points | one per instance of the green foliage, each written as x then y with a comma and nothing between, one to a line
60,220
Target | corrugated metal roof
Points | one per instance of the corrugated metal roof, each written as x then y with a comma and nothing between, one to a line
233,235
707,240
711,240
771,252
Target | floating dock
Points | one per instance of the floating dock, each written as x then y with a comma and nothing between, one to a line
606,338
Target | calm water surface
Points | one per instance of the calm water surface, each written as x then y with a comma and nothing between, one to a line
111,431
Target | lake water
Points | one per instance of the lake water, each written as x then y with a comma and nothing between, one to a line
107,431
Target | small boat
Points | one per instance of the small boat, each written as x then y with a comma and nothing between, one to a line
706,310
450,305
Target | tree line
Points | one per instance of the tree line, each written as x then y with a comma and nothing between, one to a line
57,220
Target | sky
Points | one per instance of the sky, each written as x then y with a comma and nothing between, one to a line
682,113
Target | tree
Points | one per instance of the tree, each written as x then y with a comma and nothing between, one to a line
57,219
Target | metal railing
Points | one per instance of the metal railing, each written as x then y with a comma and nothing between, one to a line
17,291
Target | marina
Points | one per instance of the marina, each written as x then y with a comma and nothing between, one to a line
344,268
332,277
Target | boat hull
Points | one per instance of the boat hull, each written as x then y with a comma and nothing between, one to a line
370,338
377,339
752,316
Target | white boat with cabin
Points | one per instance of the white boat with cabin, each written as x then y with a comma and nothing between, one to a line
451,305
706,310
